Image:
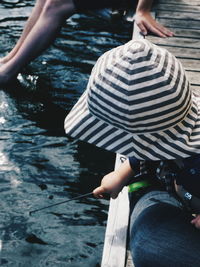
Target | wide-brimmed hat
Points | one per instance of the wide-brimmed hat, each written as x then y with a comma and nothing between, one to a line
138,102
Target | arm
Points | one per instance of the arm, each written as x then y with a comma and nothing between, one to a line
146,22
113,182
196,221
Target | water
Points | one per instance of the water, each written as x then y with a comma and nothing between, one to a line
39,165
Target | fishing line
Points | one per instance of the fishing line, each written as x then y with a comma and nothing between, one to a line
74,198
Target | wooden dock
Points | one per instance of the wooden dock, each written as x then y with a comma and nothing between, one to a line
183,18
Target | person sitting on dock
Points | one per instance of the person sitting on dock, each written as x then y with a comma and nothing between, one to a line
139,103
46,20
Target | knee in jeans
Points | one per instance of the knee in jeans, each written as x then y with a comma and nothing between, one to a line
138,253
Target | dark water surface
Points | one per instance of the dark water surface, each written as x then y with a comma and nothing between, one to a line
39,165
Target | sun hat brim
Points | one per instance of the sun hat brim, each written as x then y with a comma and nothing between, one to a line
81,124
182,141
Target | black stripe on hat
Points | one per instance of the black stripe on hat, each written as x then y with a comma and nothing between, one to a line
114,142
141,128
125,70
108,92
95,105
143,151
100,138
163,92
149,63
129,61
119,99
120,121
162,147
157,85
162,113
116,75
141,58
80,124
161,104
77,110
154,126
148,78
163,74
178,147
196,131
130,152
111,104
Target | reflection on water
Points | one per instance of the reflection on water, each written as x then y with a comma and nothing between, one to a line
39,165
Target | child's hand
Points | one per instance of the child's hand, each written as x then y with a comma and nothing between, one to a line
110,184
146,23
196,221
113,182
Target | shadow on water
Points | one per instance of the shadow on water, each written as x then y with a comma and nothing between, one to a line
39,165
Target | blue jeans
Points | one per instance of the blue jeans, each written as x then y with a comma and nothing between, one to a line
161,234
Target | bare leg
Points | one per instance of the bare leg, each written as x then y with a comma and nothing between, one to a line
29,25
41,35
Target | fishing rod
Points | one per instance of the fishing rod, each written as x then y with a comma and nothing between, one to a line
74,198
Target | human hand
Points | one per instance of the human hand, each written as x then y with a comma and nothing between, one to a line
110,184
146,22
196,221
113,182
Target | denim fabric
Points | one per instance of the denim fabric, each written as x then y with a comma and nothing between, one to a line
161,234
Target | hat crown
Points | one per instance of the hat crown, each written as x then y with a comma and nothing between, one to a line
139,87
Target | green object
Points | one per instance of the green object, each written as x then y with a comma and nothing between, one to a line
138,185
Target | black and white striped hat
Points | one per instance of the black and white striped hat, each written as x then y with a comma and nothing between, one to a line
138,102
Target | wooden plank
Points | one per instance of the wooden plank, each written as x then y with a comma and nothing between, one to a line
176,7
196,89
183,53
114,252
181,2
180,23
178,15
194,77
184,33
190,64
176,42
129,261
